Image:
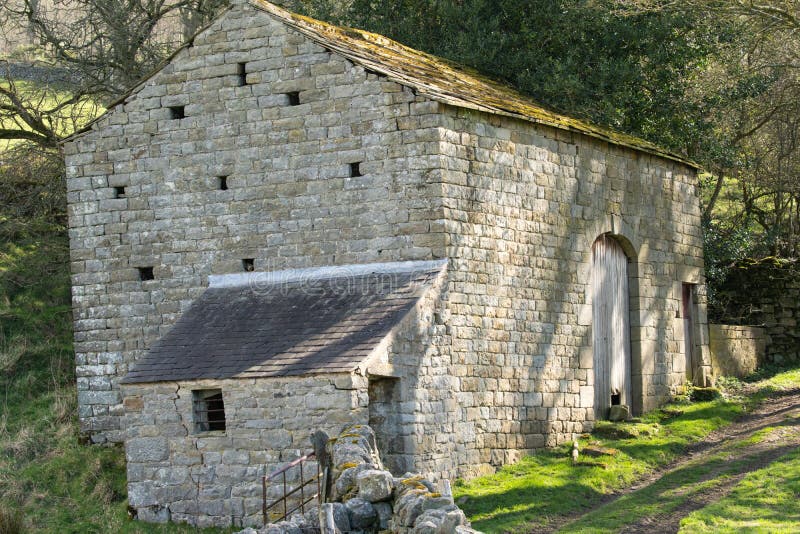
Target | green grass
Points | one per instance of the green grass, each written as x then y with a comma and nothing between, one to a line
547,485
49,481
676,488
766,500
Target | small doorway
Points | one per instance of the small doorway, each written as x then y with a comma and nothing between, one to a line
689,313
384,400
610,326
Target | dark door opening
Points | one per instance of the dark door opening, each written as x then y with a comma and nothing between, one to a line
384,419
689,312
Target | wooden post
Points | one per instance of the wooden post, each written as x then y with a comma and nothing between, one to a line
319,440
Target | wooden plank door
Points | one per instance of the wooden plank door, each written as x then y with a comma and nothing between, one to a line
610,326
689,314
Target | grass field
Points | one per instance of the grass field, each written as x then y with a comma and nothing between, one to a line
49,481
765,501
548,485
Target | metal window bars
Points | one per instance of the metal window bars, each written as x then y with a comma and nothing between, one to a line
209,411
281,473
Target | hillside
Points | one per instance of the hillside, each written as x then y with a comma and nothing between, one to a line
49,480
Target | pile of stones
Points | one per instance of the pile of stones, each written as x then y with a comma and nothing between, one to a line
364,498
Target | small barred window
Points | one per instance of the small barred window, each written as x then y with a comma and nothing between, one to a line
209,410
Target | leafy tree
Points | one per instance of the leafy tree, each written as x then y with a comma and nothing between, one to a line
105,47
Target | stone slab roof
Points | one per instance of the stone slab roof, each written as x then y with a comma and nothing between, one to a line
445,81
286,323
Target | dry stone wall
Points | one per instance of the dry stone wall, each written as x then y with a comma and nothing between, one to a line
339,178
765,293
368,499
736,350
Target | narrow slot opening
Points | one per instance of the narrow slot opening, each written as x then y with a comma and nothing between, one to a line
177,112
146,273
294,98
355,169
615,399
119,191
248,264
222,183
241,72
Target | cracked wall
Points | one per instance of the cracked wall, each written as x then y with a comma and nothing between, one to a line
214,478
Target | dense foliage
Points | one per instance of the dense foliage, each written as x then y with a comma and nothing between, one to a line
714,80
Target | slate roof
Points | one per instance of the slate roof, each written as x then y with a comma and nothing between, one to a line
268,326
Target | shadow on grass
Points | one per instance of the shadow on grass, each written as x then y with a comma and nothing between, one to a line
546,488
681,491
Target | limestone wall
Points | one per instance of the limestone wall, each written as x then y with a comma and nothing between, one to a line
512,367
214,478
494,363
736,350
290,200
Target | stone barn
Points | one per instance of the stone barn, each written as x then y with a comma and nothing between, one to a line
293,226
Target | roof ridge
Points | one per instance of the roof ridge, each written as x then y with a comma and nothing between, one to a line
328,272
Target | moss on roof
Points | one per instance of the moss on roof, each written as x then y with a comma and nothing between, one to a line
445,81
431,76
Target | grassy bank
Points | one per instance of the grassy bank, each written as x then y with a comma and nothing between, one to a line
49,481
548,486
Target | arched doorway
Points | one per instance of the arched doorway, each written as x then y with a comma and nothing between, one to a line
610,326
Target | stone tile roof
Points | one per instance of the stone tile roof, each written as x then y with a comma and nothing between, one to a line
289,323
445,81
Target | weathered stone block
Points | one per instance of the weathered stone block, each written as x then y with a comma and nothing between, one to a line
153,449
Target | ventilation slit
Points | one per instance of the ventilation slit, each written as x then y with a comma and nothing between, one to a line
355,169
241,72
294,98
177,112
146,273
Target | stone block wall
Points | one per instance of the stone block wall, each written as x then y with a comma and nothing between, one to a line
214,478
144,189
736,350
511,369
494,363
765,293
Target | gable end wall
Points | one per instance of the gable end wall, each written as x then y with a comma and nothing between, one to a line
291,201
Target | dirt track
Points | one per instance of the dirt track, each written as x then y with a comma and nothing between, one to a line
781,412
